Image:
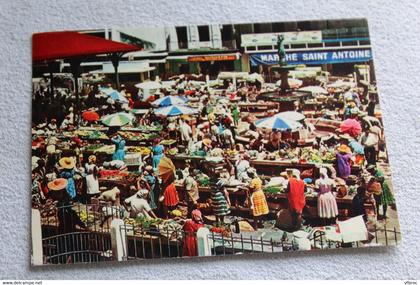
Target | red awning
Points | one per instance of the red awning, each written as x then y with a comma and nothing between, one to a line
61,45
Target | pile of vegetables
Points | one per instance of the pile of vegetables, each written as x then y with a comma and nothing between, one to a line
167,142
273,189
143,222
173,151
95,135
152,128
93,147
203,181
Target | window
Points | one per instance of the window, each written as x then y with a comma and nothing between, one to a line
298,46
182,35
277,27
349,43
262,28
227,33
204,33
314,45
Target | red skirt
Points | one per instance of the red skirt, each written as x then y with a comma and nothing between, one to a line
170,196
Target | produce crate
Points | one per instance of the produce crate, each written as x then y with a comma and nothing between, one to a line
132,159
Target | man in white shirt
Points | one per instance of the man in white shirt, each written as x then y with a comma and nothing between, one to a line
186,132
370,141
138,205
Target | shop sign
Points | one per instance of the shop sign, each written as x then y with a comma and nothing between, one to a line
269,39
211,58
313,57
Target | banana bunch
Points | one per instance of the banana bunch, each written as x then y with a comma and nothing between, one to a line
85,217
130,221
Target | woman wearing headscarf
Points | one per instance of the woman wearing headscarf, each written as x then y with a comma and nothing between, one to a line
119,142
295,196
170,197
157,151
343,157
190,228
327,205
259,204
153,185
92,182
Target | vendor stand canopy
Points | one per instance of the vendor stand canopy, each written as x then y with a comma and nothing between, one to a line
314,89
114,95
341,84
293,83
149,85
76,47
170,100
291,115
175,110
117,119
254,77
276,123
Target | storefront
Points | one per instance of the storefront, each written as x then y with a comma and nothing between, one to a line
211,64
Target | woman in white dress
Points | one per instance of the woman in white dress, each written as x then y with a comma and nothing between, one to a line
92,182
327,205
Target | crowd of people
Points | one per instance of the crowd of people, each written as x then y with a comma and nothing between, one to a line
218,130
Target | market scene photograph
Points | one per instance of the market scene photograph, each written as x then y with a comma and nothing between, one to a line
207,140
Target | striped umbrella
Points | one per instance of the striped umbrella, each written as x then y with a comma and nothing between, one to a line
117,119
291,116
175,110
170,100
276,123
114,95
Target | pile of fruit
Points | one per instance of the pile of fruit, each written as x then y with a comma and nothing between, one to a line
86,218
224,230
141,149
132,136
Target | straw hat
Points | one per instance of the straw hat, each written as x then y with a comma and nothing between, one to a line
67,163
92,159
344,149
207,142
57,184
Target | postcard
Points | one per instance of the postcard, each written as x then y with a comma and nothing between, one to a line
207,140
